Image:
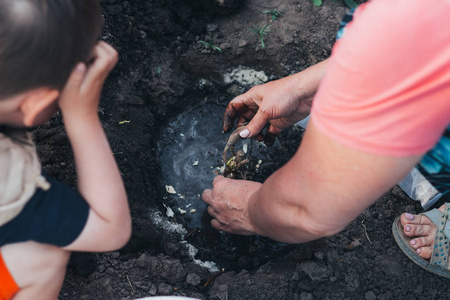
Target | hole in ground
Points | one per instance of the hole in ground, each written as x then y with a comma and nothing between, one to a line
190,153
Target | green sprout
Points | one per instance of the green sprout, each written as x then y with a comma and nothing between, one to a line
274,14
231,164
211,45
349,3
260,32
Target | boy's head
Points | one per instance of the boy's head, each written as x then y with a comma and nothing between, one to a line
41,41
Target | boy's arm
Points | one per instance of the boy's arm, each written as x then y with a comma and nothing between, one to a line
109,224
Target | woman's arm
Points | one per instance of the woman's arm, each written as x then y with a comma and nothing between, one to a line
323,188
317,193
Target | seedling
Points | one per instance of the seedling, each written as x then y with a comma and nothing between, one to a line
274,14
211,45
349,3
260,32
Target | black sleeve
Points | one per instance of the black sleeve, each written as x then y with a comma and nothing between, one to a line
55,217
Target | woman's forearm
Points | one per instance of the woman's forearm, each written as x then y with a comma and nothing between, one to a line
279,208
306,84
321,189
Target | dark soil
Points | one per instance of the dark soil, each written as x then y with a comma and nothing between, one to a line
165,71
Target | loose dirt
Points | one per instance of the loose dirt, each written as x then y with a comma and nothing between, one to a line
164,72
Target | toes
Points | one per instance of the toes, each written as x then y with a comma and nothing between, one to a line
425,241
425,252
421,230
408,218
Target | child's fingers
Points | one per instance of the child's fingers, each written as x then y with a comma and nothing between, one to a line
73,85
108,48
110,54
105,59
75,78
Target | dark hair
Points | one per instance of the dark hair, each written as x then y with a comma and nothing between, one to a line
41,41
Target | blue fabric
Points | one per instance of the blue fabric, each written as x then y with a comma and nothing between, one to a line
54,217
435,165
345,20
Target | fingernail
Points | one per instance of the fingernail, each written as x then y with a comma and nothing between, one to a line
418,251
409,216
407,229
413,242
244,133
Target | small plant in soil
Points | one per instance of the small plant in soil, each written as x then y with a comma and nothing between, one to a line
210,45
349,3
261,32
274,14
237,166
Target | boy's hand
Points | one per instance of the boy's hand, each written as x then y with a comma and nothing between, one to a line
80,97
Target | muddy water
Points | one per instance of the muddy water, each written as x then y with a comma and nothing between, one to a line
191,155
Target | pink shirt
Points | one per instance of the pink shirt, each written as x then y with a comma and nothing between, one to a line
387,86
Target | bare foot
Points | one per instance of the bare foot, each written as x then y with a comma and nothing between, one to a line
422,231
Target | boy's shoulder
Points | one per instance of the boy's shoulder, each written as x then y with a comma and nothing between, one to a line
20,173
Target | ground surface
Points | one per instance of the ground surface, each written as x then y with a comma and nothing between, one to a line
164,71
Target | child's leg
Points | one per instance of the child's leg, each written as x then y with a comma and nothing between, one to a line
37,269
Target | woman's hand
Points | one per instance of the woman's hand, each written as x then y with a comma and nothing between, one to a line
227,204
280,103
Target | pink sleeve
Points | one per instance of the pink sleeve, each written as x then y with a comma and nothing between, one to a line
387,86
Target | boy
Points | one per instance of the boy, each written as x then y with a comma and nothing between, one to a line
50,59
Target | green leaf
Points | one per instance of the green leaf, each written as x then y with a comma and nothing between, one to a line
351,3
253,30
317,2
265,29
205,43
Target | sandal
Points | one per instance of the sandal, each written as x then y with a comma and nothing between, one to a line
438,264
